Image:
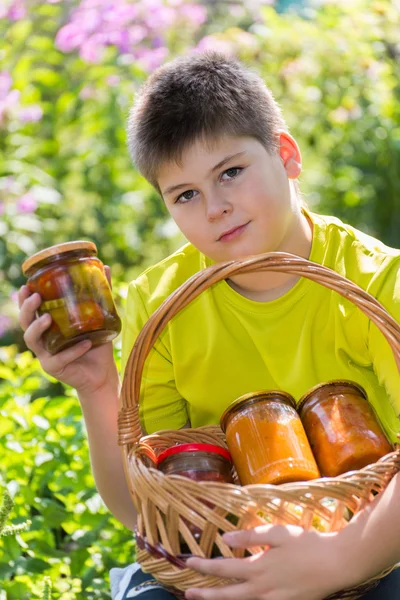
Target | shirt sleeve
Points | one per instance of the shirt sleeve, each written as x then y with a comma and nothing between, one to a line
387,283
160,405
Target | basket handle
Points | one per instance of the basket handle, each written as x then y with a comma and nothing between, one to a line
129,428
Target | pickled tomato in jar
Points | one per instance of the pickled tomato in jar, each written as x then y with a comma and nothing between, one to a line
73,286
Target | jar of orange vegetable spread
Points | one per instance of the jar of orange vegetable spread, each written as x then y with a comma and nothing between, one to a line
267,440
75,292
342,427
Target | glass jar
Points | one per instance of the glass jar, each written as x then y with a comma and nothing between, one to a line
199,462
267,440
72,283
341,425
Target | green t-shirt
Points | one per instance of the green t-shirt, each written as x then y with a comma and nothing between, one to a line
223,345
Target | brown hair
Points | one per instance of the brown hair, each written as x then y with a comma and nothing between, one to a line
202,95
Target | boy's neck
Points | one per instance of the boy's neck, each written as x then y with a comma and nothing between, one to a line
267,286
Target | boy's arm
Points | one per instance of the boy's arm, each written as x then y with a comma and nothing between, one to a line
307,565
374,535
100,412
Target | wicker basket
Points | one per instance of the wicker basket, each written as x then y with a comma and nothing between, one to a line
167,504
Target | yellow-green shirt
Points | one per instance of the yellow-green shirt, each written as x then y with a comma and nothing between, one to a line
223,345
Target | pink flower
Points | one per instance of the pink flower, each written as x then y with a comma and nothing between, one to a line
7,103
27,203
5,324
70,37
194,13
211,42
118,38
2,208
120,14
7,183
91,50
113,80
87,92
16,11
5,83
31,114
137,33
159,17
152,59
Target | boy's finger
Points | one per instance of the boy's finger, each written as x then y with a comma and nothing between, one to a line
28,310
228,568
264,535
59,361
34,332
23,294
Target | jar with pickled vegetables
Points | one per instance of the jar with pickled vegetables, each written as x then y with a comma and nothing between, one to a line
341,425
73,286
267,440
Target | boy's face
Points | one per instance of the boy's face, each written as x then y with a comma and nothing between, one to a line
232,198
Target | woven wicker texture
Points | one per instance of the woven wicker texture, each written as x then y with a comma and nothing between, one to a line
170,506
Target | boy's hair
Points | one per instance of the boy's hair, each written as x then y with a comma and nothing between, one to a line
201,96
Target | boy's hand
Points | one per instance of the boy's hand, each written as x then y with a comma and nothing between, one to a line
298,565
85,368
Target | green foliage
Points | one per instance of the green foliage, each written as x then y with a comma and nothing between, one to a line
72,539
5,511
47,587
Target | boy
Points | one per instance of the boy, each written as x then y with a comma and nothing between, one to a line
208,135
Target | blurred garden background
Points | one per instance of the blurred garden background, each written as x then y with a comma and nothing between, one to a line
69,70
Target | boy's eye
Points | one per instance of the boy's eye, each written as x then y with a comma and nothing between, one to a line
186,196
232,172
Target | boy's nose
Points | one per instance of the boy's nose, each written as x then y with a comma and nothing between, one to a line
216,207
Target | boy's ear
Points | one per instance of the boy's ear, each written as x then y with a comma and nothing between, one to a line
290,155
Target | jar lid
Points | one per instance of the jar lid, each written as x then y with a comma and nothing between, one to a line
57,249
326,384
180,448
253,398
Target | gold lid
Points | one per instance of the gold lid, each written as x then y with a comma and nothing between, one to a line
57,249
333,382
252,398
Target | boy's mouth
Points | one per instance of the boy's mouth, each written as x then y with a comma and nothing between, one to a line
232,233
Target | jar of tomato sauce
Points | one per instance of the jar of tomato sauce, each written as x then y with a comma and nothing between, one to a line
341,425
267,440
75,292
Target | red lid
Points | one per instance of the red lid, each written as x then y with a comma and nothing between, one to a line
194,448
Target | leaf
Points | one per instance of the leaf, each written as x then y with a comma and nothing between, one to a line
32,565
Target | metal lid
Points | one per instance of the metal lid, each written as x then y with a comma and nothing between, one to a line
180,448
333,383
57,249
254,397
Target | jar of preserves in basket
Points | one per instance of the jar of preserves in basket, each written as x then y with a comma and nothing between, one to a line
267,440
75,292
199,462
341,425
